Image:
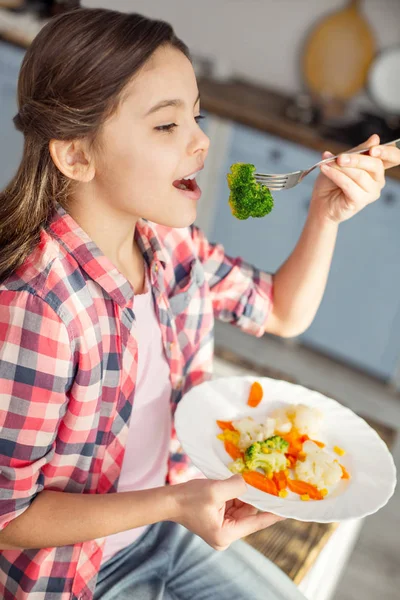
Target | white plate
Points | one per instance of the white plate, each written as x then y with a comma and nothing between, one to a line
384,81
369,462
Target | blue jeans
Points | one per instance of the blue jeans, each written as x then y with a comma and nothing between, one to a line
168,562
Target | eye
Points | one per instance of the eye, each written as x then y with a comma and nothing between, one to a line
199,118
167,128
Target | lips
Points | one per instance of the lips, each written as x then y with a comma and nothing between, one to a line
185,184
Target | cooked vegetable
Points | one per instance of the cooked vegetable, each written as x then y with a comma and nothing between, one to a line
232,450
345,474
230,436
280,480
255,395
251,431
247,198
225,425
237,466
303,488
319,468
280,453
339,451
260,481
276,442
259,456
293,438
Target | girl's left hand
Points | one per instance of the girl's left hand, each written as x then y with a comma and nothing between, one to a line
353,181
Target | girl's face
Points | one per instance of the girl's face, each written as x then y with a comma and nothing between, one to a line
152,142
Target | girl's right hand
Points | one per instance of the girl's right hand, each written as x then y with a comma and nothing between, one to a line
211,510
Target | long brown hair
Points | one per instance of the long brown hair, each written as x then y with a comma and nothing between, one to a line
71,81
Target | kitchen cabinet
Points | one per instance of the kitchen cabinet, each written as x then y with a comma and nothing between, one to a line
11,140
359,317
263,242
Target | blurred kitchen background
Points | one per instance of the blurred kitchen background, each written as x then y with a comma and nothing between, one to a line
281,81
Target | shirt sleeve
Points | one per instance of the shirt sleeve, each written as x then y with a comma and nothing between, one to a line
35,374
241,294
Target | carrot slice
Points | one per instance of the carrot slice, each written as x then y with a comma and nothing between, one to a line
320,444
305,438
280,480
225,425
232,450
255,395
260,482
302,487
345,474
292,459
294,440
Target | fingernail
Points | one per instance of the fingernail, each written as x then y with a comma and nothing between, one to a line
345,159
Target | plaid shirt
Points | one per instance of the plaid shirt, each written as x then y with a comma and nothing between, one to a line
68,363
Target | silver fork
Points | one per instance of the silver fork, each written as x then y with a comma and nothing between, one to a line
285,181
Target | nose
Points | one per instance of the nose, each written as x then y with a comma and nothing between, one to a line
200,143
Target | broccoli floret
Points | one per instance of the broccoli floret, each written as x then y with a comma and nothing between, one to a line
276,442
247,198
237,466
259,456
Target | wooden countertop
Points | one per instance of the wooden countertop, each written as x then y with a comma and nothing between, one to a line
264,109
293,545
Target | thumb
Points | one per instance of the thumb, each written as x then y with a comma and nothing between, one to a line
231,488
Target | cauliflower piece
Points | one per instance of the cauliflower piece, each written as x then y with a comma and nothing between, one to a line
237,466
319,468
282,417
307,420
251,431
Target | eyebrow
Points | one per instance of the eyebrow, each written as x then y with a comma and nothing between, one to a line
165,103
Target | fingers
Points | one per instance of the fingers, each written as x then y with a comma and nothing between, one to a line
368,164
389,155
349,186
254,523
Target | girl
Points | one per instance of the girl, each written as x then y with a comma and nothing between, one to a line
107,302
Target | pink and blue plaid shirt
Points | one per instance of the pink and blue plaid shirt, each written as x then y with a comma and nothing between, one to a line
68,363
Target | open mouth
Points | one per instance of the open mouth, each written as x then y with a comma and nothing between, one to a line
187,183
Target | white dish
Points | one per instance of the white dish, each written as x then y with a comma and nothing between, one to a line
384,81
368,460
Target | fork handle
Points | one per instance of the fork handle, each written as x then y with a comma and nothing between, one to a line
332,158
360,151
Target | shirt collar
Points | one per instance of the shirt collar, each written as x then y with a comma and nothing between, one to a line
92,260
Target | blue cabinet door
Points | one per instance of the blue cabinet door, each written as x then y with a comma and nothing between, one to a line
358,312
11,140
266,242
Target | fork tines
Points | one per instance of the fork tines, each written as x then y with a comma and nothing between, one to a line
273,182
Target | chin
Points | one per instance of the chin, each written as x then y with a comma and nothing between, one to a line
177,220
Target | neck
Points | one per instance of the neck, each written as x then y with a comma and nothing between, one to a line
113,232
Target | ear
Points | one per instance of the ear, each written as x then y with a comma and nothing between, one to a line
73,159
